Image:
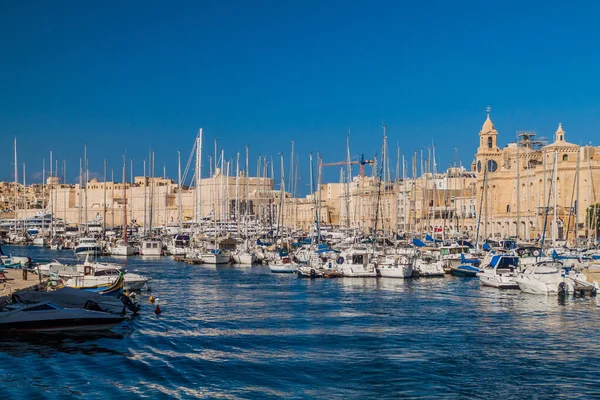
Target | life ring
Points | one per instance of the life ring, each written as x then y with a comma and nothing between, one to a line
340,260
536,253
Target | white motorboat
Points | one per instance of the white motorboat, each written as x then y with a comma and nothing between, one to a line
244,257
74,298
122,248
355,263
215,256
179,245
454,255
39,241
284,266
428,265
500,272
151,247
546,277
395,267
50,317
88,246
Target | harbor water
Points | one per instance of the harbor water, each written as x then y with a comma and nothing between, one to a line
242,332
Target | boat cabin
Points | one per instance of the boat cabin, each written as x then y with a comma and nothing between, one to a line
453,250
504,264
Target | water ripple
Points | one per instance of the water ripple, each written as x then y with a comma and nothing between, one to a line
238,332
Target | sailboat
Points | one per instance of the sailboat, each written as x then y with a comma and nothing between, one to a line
122,247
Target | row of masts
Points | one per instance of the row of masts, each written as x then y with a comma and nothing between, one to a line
400,187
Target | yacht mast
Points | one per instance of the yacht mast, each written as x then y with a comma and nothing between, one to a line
112,206
554,226
125,198
16,185
145,196
179,213
65,193
104,204
198,176
80,211
236,214
85,164
50,199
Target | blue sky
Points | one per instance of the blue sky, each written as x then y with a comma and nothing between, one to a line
139,75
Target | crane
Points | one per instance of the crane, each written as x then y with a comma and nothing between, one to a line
361,162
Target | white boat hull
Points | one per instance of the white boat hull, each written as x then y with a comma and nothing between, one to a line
283,268
123,251
393,271
498,282
215,259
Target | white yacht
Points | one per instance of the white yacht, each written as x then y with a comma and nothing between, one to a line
546,277
215,256
428,263
151,247
285,265
88,246
179,245
39,241
454,255
122,248
394,266
244,257
500,272
355,263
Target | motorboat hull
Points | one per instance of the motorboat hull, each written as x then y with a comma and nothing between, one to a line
283,268
53,319
215,259
402,272
88,251
465,271
498,282
123,251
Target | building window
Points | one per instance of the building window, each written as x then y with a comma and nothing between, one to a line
565,157
489,143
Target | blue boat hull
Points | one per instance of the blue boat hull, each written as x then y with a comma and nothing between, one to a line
465,270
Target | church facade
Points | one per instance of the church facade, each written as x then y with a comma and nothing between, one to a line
530,187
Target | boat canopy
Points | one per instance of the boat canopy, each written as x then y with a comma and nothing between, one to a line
504,261
261,243
418,243
431,239
463,242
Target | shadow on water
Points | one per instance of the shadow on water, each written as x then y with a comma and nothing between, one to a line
46,345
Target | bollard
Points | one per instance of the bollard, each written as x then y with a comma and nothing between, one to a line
24,274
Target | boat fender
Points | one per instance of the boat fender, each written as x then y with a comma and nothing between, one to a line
151,298
340,260
157,310
562,289
312,273
418,253
329,264
536,253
